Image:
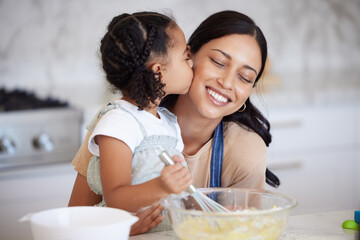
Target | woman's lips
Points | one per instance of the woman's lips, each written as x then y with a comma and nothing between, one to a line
216,97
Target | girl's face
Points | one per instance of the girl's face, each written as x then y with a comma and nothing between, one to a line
177,74
225,70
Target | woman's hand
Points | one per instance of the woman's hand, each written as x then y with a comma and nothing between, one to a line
175,178
148,219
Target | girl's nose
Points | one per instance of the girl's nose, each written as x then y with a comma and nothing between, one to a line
190,62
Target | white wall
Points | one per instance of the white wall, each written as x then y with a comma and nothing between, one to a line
51,46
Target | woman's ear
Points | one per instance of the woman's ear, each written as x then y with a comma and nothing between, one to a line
189,55
188,48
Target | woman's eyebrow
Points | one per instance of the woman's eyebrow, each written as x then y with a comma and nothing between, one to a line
250,68
229,57
223,53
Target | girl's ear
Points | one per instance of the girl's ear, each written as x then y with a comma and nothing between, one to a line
158,68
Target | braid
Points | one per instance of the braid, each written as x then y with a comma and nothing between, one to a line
116,55
127,47
148,44
115,62
130,46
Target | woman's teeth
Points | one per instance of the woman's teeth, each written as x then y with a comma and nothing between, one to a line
217,96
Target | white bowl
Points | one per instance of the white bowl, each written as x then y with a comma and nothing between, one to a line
90,223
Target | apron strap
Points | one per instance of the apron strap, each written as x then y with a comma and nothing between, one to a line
217,153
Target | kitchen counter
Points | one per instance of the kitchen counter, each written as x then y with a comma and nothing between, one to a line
317,226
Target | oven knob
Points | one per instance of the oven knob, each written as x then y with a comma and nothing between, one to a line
43,142
7,146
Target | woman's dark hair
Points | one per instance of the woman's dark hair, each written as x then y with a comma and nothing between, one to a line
222,24
126,48
219,25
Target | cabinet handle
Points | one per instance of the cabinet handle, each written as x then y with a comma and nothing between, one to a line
287,123
286,165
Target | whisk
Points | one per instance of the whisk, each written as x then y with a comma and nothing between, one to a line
206,203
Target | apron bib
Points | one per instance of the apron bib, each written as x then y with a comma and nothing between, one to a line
217,153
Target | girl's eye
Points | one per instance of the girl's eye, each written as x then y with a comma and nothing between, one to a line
217,63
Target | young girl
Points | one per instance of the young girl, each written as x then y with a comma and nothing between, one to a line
146,57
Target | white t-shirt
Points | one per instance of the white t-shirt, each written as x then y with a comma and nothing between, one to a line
121,125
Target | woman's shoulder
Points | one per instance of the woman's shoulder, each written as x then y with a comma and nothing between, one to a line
243,144
244,157
237,132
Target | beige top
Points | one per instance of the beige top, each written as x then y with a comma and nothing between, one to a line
244,161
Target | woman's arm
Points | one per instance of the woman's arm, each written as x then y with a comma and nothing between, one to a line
115,170
81,194
148,219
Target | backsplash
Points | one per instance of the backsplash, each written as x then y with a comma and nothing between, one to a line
51,47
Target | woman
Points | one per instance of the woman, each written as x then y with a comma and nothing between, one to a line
225,136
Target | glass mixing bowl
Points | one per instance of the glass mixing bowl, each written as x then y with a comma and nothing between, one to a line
253,214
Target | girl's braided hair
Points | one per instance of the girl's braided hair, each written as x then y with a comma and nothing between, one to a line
130,42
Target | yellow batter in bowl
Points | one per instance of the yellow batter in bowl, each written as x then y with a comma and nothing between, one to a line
235,228
254,215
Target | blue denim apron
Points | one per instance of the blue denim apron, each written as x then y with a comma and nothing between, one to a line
217,153
217,161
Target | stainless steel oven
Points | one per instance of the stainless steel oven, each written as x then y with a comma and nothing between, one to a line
41,136
38,140
35,131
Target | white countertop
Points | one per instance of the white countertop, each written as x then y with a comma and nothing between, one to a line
315,226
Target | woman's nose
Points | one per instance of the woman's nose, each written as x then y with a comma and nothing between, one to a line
226,81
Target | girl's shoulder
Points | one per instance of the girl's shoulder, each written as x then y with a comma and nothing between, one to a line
116,116
123,110
165,112
115,106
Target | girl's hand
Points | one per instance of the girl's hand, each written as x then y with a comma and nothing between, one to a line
148,219
175,178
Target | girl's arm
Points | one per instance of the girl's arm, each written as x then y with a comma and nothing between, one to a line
115,170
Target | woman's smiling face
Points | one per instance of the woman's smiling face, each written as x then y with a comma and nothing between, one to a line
225,70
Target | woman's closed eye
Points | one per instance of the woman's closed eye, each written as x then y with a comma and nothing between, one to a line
217,62
244,78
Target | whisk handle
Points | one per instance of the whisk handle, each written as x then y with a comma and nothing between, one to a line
164,156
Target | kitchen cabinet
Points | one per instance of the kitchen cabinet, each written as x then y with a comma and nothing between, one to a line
314,153
357,128
357,155
313,129
320,182
30,190
357,174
